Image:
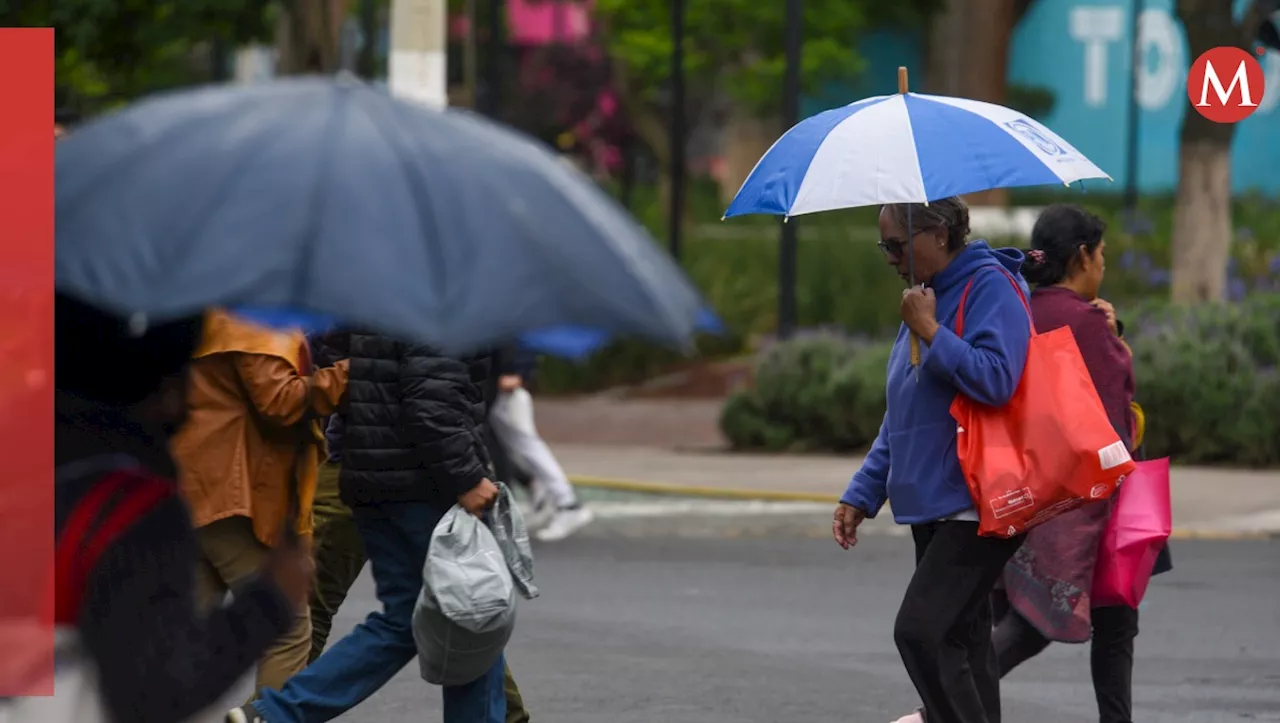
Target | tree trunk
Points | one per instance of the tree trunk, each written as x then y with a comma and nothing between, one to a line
968,57
1202,221
1202,227
746,139
308,37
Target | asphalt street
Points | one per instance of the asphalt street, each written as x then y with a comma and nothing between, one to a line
652,619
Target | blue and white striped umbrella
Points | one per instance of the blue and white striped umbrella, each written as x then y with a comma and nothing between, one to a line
905,148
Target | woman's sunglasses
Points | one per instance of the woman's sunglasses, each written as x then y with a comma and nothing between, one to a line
894,248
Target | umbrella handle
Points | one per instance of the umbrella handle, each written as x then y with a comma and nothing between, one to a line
915,350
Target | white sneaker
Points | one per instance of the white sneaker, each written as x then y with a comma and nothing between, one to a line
245,714
540,515
565,523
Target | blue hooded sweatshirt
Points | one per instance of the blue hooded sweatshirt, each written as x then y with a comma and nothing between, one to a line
913,461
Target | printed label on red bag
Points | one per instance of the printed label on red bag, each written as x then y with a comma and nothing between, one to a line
1098,491
1113,455
1011,502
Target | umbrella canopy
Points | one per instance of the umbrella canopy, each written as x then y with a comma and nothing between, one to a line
333,198
905,148
577,343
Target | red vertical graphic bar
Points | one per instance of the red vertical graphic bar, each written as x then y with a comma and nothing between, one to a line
26,361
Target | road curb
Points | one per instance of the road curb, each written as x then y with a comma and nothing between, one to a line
716,493
615,484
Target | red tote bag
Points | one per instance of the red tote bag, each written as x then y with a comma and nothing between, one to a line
1049,450
1138,529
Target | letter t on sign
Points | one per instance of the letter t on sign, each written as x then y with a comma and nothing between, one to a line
1096,27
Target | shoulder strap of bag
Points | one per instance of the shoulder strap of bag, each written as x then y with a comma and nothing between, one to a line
92,527
969,286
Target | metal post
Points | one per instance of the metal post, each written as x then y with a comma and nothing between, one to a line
790,116
1132,115
676,209
492,105
469,62
367,62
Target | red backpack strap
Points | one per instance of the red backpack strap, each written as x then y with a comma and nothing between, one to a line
93,526
969,286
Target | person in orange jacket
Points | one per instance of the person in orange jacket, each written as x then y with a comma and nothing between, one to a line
249,456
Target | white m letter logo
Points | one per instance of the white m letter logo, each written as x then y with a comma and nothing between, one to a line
1241,78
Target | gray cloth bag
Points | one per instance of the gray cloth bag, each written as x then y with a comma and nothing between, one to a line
467,608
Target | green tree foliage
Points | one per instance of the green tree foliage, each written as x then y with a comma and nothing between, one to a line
738,46
111,51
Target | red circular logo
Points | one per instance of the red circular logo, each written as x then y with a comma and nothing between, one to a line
1226,84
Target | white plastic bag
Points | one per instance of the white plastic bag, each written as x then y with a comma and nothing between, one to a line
466,611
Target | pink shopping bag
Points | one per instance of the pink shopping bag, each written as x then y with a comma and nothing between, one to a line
1139,527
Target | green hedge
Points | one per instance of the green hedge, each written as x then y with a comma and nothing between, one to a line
1207,378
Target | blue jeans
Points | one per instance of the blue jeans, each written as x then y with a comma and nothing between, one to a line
396,536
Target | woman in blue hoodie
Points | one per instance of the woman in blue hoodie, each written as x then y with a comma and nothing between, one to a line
943,629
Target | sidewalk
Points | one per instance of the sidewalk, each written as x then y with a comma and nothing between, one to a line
1206,502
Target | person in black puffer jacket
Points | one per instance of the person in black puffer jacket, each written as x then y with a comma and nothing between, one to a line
412,446
413,425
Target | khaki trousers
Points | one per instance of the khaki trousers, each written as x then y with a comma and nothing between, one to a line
230,555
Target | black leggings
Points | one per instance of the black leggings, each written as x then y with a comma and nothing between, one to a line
1111,656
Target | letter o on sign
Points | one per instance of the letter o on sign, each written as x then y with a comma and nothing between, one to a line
1226,84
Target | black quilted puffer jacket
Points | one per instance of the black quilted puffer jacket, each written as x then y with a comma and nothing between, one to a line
413,423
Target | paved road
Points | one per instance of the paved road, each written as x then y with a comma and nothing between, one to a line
750,621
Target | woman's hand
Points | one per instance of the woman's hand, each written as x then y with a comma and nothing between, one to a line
845,525
509,382
919,312
1110,311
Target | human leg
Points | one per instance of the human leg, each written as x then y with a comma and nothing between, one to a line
514,425
1111,661
1016,641
944,617
481,701
516,712
230,547
395,538
339,557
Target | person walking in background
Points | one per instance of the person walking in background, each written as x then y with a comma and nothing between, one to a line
557,511
412,446
339,552
157,659
1047,584
248,457
943,629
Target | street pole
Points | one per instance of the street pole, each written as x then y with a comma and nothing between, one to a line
790,117
1131,117
492,106
675,212
416,69
470,72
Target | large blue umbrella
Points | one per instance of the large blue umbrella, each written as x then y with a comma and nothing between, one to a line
333,198
577,343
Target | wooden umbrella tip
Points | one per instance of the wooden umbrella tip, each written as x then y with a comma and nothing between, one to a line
902,79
